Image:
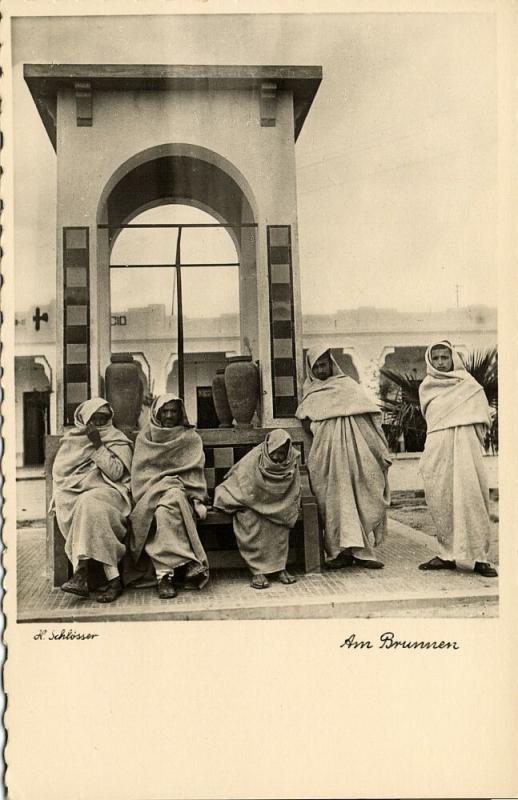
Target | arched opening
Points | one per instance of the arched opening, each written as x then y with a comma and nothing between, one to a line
143,305
204,190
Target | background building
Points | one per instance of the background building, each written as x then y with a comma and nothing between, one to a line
363,340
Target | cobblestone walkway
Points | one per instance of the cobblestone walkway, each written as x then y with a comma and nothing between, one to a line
398,590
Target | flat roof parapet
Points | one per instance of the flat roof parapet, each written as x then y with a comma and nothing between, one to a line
44,80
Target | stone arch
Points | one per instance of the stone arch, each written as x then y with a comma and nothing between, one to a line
186,174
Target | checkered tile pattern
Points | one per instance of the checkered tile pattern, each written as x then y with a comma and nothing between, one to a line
218,461
76,319
282,333
220,458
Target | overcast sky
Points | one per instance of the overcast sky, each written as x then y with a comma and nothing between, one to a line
396,163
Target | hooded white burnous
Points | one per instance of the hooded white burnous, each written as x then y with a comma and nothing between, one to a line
91,490
457,417
264,498
349,460
167,482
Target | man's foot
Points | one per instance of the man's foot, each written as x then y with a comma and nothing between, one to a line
341,561
166,587
438,563
110,592
368,563
485,569
285,577
259,582
78,583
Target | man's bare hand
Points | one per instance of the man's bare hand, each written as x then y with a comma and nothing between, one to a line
200,509
93,434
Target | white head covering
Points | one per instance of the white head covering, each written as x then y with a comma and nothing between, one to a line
454,398
336,396
313,354
161,401
86,410
271,469
458,364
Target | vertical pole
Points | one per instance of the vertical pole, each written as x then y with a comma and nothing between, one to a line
180,315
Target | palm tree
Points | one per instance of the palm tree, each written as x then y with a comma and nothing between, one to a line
483,365
403,413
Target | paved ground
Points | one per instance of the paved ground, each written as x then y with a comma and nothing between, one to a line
399,590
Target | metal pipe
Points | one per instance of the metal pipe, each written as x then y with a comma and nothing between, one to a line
177,225
180,315
169,265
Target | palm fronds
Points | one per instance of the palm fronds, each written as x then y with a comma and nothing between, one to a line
403,416
483,365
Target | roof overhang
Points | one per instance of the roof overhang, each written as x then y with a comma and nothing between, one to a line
44,81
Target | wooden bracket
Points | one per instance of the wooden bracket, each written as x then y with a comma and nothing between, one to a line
268,105
83,90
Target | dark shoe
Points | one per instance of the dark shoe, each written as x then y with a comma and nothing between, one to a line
166,587
341,561
110,592
438,563
77,584
485,569
368,563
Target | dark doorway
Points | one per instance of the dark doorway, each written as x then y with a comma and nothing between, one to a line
36,423
206,413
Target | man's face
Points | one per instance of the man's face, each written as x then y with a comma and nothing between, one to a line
101,416
170,414
441,359
322,368
279,455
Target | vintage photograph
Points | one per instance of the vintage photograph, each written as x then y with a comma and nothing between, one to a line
256,364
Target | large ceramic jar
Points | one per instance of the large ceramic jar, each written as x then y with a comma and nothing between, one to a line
219,395
124,391
242,385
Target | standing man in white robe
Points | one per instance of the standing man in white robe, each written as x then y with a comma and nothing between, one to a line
348,462
457,417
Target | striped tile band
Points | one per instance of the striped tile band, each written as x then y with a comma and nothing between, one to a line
76,320
282,333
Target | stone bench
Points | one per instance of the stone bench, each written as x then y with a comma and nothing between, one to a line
223,447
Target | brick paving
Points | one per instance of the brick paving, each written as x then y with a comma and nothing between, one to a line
398,590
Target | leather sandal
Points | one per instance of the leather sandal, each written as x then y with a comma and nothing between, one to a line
260,582
438,563
285,577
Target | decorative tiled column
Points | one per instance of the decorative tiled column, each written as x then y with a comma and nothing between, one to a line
282,328
76,320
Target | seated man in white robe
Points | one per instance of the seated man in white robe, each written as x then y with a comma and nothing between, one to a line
169,490
348,462
457,417
262,492
91,476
